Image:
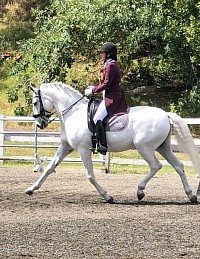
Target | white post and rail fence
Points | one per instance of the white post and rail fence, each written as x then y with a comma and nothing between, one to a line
34,140
51,139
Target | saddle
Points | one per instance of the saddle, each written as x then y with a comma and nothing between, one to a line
111,123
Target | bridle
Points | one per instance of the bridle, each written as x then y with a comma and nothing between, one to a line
45,115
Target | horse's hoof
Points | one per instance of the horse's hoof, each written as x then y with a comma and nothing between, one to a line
193,199
110,200
29,192
140,196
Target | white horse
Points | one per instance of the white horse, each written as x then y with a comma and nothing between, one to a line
148,130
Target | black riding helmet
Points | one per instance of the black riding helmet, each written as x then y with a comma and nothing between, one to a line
110,49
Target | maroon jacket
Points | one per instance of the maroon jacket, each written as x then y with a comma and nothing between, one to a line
114,97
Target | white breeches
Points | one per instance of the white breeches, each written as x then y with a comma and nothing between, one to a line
101,112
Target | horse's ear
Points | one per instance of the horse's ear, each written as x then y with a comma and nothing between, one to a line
33,88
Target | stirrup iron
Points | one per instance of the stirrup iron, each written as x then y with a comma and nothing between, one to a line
102,150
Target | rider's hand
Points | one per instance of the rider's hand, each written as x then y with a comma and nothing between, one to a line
88,90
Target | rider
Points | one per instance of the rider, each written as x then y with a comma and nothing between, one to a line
113,98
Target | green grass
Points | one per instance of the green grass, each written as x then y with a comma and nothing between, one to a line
114,169
144,169
133,154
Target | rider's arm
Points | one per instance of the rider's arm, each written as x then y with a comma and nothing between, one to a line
109,74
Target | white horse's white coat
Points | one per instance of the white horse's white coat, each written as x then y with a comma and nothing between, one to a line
148,130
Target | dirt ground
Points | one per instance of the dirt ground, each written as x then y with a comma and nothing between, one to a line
67,218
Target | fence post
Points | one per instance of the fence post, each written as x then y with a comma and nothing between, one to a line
1,137
107,162
35,136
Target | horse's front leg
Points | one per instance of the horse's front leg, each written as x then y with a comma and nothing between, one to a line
87,161
62,151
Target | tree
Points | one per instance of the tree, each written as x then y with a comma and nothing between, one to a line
158,41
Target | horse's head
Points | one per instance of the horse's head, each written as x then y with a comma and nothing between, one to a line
42,107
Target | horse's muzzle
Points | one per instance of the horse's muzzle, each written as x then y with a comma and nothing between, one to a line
41,124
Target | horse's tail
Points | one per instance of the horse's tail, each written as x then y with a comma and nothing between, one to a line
185,140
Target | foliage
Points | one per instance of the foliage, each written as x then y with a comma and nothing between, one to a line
16,26
158,42
16,22
189,103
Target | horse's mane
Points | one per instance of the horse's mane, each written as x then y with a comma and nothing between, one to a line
62,86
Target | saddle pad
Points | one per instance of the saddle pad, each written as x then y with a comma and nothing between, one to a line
111,123
116,122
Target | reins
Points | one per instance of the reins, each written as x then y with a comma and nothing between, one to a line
66,110
70,107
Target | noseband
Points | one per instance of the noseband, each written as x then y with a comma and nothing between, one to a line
43,112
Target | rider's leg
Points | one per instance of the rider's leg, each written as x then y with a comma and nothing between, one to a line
102,148
100,114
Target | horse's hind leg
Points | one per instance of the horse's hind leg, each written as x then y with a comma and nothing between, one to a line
62,151
166,152
155,166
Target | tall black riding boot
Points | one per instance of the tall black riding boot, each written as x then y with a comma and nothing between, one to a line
102,148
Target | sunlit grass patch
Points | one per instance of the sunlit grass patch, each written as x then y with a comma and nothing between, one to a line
144,169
